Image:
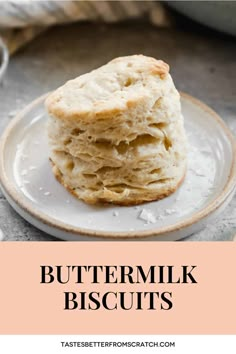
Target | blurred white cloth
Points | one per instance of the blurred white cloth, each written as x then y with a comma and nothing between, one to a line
22,20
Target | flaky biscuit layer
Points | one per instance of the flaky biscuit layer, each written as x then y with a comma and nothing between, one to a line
117,135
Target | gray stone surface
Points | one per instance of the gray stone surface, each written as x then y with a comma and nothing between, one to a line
202,64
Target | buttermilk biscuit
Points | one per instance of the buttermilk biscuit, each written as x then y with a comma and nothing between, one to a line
116,134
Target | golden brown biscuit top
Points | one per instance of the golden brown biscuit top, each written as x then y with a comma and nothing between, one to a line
108,90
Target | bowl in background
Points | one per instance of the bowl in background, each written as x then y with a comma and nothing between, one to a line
219,15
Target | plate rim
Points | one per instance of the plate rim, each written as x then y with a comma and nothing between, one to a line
9,188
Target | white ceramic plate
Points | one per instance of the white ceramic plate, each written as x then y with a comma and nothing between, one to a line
30,187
